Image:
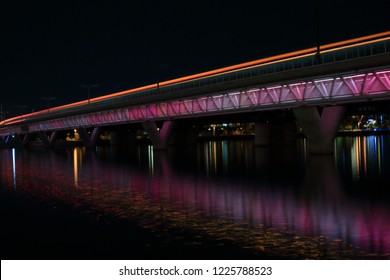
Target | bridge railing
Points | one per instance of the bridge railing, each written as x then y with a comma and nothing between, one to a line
286,65
302,60
312,59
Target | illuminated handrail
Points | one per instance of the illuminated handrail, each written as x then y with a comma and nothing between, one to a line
345,50
310,58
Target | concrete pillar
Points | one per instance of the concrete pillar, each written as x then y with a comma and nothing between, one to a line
44,138
262,134
159,137
84,136
94,136
48,141
25,139
320,129
53,138
89,140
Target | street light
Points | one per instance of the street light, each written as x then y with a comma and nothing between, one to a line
88,87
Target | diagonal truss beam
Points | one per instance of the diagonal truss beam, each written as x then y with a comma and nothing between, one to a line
334,89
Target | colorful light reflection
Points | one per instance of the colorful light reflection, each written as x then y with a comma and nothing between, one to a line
14,167
321,207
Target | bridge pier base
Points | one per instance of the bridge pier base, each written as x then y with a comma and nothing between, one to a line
159,137
320,128
89,140
25,139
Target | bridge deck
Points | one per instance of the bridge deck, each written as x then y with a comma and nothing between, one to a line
343,57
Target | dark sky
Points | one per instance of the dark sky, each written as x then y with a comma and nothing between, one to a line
51,48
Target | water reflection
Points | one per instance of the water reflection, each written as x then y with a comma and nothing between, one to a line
77,163
151,160
364,159
14,167
263,198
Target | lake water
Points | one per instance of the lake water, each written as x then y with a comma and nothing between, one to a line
275,202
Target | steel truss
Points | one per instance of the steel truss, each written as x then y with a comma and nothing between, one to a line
335,89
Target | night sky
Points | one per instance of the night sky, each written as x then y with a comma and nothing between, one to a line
49,49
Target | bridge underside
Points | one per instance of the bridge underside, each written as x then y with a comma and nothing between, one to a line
302,97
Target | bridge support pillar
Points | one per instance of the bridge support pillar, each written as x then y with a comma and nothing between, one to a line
89,140
53,138
48,141
159,137
25,139
320,128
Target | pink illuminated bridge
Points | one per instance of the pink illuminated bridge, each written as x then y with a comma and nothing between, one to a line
354,70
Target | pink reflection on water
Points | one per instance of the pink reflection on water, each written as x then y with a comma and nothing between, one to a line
319,208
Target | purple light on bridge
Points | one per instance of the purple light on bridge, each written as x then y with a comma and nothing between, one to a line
344,88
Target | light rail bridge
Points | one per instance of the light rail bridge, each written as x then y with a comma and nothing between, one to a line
330,76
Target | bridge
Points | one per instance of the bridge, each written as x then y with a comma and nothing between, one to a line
329,77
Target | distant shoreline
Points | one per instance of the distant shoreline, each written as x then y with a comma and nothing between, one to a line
340,133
